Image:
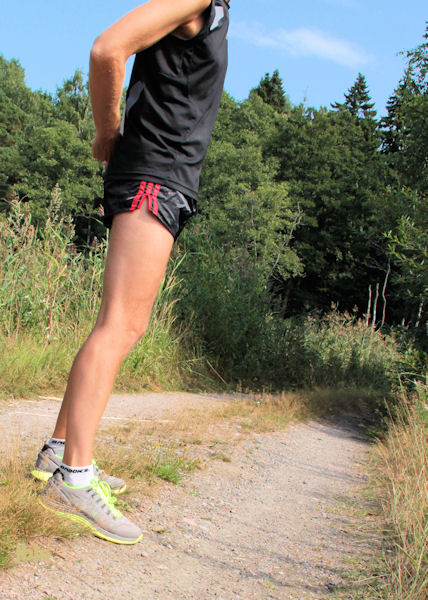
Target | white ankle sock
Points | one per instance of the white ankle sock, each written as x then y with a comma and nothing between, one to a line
78,476
57,446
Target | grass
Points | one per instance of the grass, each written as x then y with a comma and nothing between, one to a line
221,456
147,455
49,298
144,459
29,366
400,473
268,584
50,293
22,518
390,514
142,454
271,412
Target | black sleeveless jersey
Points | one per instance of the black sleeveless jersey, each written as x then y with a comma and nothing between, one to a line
171,106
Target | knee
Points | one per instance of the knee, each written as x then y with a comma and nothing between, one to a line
122,336
133,334
130,336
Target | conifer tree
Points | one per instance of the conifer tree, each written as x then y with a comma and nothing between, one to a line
271,91
405,148
358,104
357,100
405,128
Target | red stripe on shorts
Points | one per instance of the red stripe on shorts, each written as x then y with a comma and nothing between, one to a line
140,194
149,196
155,199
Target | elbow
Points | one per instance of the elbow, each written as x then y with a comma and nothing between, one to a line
104,52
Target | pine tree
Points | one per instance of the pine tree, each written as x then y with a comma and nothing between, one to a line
358,106
271,91
357,100
405,149
404,129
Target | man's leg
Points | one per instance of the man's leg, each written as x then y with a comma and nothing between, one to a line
138,252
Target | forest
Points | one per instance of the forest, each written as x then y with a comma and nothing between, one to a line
307,217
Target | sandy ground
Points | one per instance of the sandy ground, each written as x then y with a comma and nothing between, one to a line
270,524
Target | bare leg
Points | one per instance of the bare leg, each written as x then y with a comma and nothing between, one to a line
137,256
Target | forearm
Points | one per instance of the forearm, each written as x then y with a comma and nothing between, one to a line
106,76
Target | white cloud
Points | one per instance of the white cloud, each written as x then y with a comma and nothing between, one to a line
304,42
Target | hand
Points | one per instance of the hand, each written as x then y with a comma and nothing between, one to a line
103,146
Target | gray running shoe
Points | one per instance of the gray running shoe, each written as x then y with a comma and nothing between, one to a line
94,506
117,485
47,462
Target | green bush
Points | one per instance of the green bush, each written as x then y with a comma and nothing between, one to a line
230,314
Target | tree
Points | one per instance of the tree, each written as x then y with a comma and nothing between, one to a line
249,214
19,106
240,240
271,91
357,100
72,104
405,128
335,174
405,148
358,104
45,143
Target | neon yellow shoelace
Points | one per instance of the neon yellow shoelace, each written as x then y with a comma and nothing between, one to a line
104,490
94,462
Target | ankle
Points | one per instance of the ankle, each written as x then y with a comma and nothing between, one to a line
77,476
75,457
57,445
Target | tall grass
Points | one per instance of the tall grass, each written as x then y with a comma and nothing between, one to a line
207,319
209,324
49,298
47,287
400,472
337,350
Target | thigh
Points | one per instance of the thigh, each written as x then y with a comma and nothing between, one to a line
138,252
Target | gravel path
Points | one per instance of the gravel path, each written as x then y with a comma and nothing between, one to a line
267,525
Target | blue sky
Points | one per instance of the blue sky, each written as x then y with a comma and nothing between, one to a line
318,46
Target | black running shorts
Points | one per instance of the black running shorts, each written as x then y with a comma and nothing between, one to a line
171,207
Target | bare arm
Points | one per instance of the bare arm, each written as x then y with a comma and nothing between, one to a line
137,30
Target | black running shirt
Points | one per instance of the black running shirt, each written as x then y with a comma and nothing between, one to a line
171,106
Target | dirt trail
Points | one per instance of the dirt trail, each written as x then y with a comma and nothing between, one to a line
267,525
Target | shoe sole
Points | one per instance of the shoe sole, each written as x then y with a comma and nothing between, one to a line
101,534
41,475
45,476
